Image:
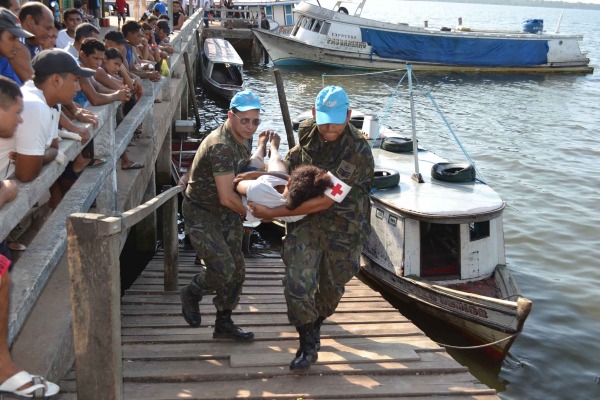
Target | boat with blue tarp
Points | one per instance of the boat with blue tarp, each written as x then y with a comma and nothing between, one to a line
336,38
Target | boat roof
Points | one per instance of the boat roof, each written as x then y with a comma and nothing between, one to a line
265,3
221,51
433,198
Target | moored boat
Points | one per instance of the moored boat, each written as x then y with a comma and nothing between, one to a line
437,242
222,68
335,38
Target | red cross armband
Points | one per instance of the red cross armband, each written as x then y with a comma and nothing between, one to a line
338,191
4,264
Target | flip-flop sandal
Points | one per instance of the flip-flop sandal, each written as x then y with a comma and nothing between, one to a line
16,246
96,162
135,165
40,388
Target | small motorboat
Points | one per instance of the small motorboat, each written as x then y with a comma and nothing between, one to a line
222,69
437,240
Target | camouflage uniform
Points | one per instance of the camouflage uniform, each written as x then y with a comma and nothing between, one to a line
216,231
321,252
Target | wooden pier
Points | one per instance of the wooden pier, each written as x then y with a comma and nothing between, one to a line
138,346
369,350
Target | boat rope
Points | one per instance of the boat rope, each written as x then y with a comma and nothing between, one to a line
482,346
362,74
437,108
387,111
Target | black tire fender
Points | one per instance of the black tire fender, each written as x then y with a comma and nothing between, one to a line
343,10
397,144
453,172
386,178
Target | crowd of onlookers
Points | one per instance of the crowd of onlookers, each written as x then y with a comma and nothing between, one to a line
53,65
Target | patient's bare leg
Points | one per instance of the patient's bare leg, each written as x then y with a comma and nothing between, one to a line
258,158
276,163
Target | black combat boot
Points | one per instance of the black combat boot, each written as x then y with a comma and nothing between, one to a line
307,353
226,329
189,306
318,324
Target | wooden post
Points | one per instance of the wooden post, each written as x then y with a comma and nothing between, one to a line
146,229
198,51
104,146
93,256
285,112
185,104
170,243
163,160
192,90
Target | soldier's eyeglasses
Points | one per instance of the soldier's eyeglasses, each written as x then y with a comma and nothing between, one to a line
246,121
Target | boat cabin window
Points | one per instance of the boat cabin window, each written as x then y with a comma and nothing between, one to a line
325,30
316,26
479,230
308,23
440,250
297,26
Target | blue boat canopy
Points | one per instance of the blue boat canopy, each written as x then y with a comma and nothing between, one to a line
456,51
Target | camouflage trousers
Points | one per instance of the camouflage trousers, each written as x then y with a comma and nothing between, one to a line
217,240
318,266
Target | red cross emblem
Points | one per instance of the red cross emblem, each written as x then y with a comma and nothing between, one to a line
337,189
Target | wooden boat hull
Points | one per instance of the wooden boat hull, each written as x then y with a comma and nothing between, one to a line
221,91
355,42
440,246
482,319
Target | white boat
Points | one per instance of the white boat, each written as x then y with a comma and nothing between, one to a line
335,38
437,241
222,68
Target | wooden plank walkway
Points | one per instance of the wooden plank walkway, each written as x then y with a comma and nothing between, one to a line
369,350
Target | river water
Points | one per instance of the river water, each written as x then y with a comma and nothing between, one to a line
534,138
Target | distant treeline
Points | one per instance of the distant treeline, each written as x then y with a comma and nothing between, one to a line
529,3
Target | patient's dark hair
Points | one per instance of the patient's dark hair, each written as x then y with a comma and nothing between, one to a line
305,183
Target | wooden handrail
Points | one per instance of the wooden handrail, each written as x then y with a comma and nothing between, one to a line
93,257
135,215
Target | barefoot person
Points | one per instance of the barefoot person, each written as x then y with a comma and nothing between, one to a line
275,187
212,210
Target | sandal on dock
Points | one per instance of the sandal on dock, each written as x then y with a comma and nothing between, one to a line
16,246
135,165
40,388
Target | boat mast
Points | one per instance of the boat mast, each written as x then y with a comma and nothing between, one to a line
559,19
417,175
359,9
